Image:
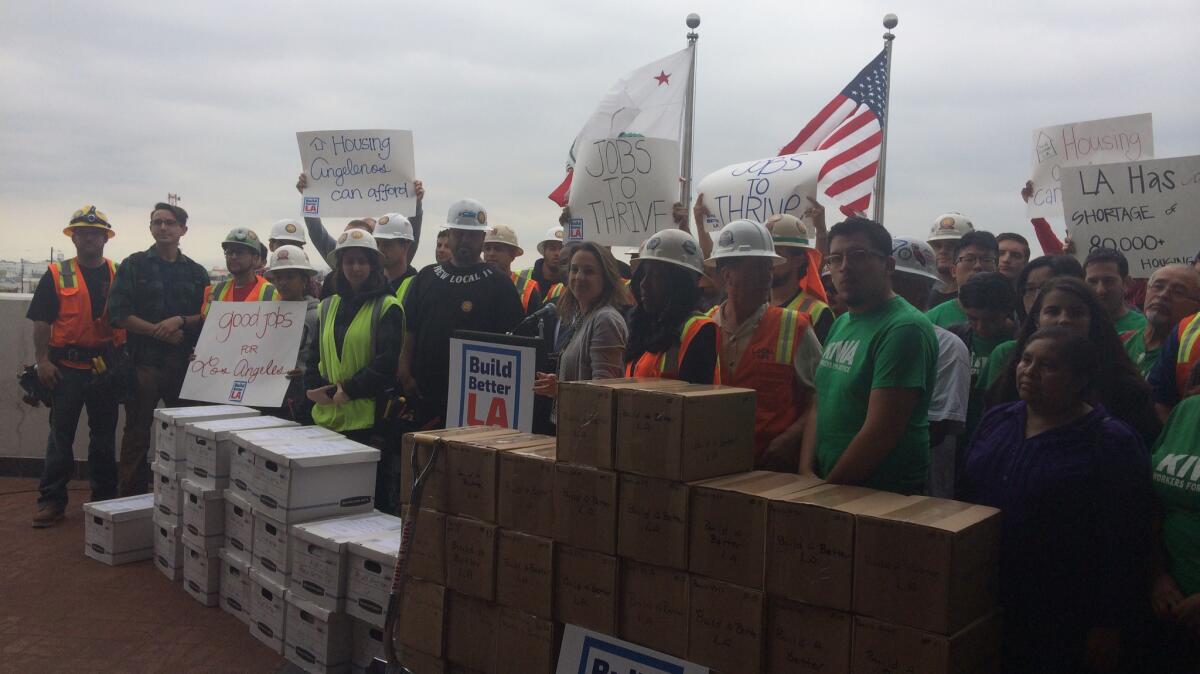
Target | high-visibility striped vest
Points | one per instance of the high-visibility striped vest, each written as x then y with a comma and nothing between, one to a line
525,287
402,291
358,348
807,304
665,365
74,325
556,291
1189,352
553,293
223,292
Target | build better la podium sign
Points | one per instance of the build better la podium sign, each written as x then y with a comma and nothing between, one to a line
490,384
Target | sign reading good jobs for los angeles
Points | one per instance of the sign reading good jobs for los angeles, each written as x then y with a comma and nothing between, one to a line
756,190
623,189
1148,210
245,351
357,173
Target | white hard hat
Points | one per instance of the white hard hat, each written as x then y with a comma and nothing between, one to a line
792,232
555,233
352,238
289,257
393,226
914,256
288,230
950,227
467,214
673,246
505,235
744,238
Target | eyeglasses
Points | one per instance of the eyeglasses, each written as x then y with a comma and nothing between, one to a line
854,257
976,259
1174,290
158,222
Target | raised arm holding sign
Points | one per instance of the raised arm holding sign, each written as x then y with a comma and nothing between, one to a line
623,190
355,173
756,190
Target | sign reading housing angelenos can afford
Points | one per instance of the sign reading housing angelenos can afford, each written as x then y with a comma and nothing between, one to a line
623,190
357,173
244,352
1148,210
490,384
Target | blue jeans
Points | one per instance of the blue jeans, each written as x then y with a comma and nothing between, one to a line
70,397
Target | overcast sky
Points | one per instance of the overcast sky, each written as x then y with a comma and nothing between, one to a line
119,103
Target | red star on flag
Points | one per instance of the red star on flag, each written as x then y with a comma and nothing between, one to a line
663,78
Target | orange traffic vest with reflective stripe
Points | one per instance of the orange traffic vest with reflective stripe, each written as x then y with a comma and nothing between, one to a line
1189,351
75,325
525,287
666,365
556,291
768,367
223,292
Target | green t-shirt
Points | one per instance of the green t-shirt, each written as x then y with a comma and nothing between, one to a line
981,358
1176,464
1132,320
892,347
1135,346
946,314
998,361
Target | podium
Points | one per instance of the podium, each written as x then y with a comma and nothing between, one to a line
491,379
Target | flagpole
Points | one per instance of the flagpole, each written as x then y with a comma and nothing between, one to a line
889,22
685,184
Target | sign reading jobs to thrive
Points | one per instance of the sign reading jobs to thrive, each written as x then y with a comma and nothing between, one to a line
357,173
756,190
245,351
490,384
1099,141
623,190
1148,210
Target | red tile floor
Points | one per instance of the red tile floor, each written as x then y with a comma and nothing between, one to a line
63,612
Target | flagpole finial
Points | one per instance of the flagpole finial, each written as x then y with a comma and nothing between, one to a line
693,21
890,21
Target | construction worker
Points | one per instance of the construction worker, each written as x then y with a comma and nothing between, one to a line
243,255
74,344
290,272
668,337
547,272
394,236
500,248
947,229
1177,374
286,233
766,348
1172,294
793,240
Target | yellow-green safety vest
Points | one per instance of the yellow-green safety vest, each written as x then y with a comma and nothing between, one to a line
358,348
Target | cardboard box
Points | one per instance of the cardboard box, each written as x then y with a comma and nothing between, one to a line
652,521
416,661
271,549
728,539
370,564
168,492
168,551
170,435
807,639
120,526
690,433
810,543
202,574
203,515
725,632
315,639
423,617
585,507
587,418
314,480
525,573
585,589
434,495
268,610
367,643
525,644
471,557
654,607
239,526
235,586
526,493
472,628
117,559
472,471
241,461
427,556
928,563
210,446
880,648
318,555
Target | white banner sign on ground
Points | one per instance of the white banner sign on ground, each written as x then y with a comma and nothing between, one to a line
756,190
592,652
245,349
357,173
490,384
623,190
1148,210
1099,141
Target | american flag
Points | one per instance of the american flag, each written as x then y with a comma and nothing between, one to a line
852,126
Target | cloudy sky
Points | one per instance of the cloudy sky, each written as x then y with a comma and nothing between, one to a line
119,103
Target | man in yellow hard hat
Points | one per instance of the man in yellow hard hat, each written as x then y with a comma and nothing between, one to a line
500,248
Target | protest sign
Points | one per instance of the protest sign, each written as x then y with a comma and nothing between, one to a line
490,384
623,190
245,349
1099,141
357,173
756,190
587,651
1148,210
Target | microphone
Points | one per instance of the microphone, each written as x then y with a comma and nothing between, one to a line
547,310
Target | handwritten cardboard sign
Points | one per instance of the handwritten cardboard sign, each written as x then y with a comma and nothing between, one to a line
357,173
245,349
1146,209
1099,141
623,190
490,384
756,190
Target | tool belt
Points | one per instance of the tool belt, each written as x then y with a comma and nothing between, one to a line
79,354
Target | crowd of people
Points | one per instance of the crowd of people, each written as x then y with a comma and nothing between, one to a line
956,366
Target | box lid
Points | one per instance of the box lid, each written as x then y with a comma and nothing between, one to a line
938,513
249,438
842,497
703,390
336,532
199,490
428,437
181,415
762,483
540,452
222,428
381,548
237,499
319,452
159,469
266,581
322,614
122,509
504,443
229,557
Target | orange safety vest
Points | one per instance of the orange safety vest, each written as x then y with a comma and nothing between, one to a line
1189,351
223,292
556,291
666,365
525,287
768,367
75,326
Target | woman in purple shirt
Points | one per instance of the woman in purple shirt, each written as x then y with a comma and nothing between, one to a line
1074,487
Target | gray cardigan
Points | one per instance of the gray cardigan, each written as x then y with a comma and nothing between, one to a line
597,349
